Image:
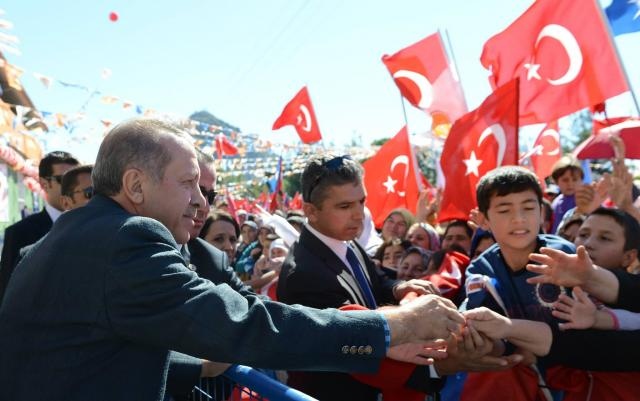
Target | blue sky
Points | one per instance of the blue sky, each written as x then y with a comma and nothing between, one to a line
243,60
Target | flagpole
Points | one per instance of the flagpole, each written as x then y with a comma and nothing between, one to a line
404,111
455,64
605,21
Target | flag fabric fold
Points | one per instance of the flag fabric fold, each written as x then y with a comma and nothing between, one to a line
546,151
299,112
425,78
624,16
564,56
479,141
390,178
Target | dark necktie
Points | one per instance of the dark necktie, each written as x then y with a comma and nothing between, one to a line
358,274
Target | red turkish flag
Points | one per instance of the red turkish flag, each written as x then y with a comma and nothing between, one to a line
299,113
546,151
478,142
390,178
425,79
564,56
224,146
597,146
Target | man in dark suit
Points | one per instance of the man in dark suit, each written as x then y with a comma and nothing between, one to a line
96,321
319,271
33,227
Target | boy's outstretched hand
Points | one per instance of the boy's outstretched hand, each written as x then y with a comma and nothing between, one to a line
559,268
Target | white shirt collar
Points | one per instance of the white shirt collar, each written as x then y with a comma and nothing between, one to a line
53,212
337,246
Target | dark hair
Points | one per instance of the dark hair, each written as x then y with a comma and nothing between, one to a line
137,143
45,168
70,178
629,224
328,170
379,255
459,223
504,181
219,215
566,163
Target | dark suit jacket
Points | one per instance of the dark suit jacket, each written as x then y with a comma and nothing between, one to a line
25,232
95,306
313,275
212,264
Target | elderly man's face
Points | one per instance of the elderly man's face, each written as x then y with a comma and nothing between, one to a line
175,199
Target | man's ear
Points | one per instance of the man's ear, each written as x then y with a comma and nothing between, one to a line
133,181
310,211
44,183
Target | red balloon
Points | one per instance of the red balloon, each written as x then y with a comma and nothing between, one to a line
113,17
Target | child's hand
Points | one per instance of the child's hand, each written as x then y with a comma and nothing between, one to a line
579,311
488,322
561,268
590,196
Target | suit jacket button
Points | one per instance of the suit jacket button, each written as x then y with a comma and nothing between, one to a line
361,350
353,350
368,350
345,349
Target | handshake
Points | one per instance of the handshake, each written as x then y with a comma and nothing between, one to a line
431,330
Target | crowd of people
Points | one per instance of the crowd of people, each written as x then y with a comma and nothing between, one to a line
136,280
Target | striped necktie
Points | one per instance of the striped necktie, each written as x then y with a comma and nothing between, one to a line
358,274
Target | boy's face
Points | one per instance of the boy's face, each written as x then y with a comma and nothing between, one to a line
514,220
569,182
604,240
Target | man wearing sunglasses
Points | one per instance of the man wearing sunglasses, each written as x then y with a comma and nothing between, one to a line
30,229
326,268
97,321
77,188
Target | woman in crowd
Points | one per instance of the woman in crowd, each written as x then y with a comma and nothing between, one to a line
389,255
424,236
414,263
396,224
222,231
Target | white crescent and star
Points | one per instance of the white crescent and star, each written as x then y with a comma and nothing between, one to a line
571,48
553,134
306,116
423,84
472,163
391,183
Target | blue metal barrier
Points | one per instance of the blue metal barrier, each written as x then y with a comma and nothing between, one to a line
259,385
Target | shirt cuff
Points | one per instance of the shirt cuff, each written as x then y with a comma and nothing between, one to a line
387,334
433,373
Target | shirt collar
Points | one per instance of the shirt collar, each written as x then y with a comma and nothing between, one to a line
337,246
52,212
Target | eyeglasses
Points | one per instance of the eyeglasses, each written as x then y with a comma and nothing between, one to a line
209,195
88,192
57,178
331,165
